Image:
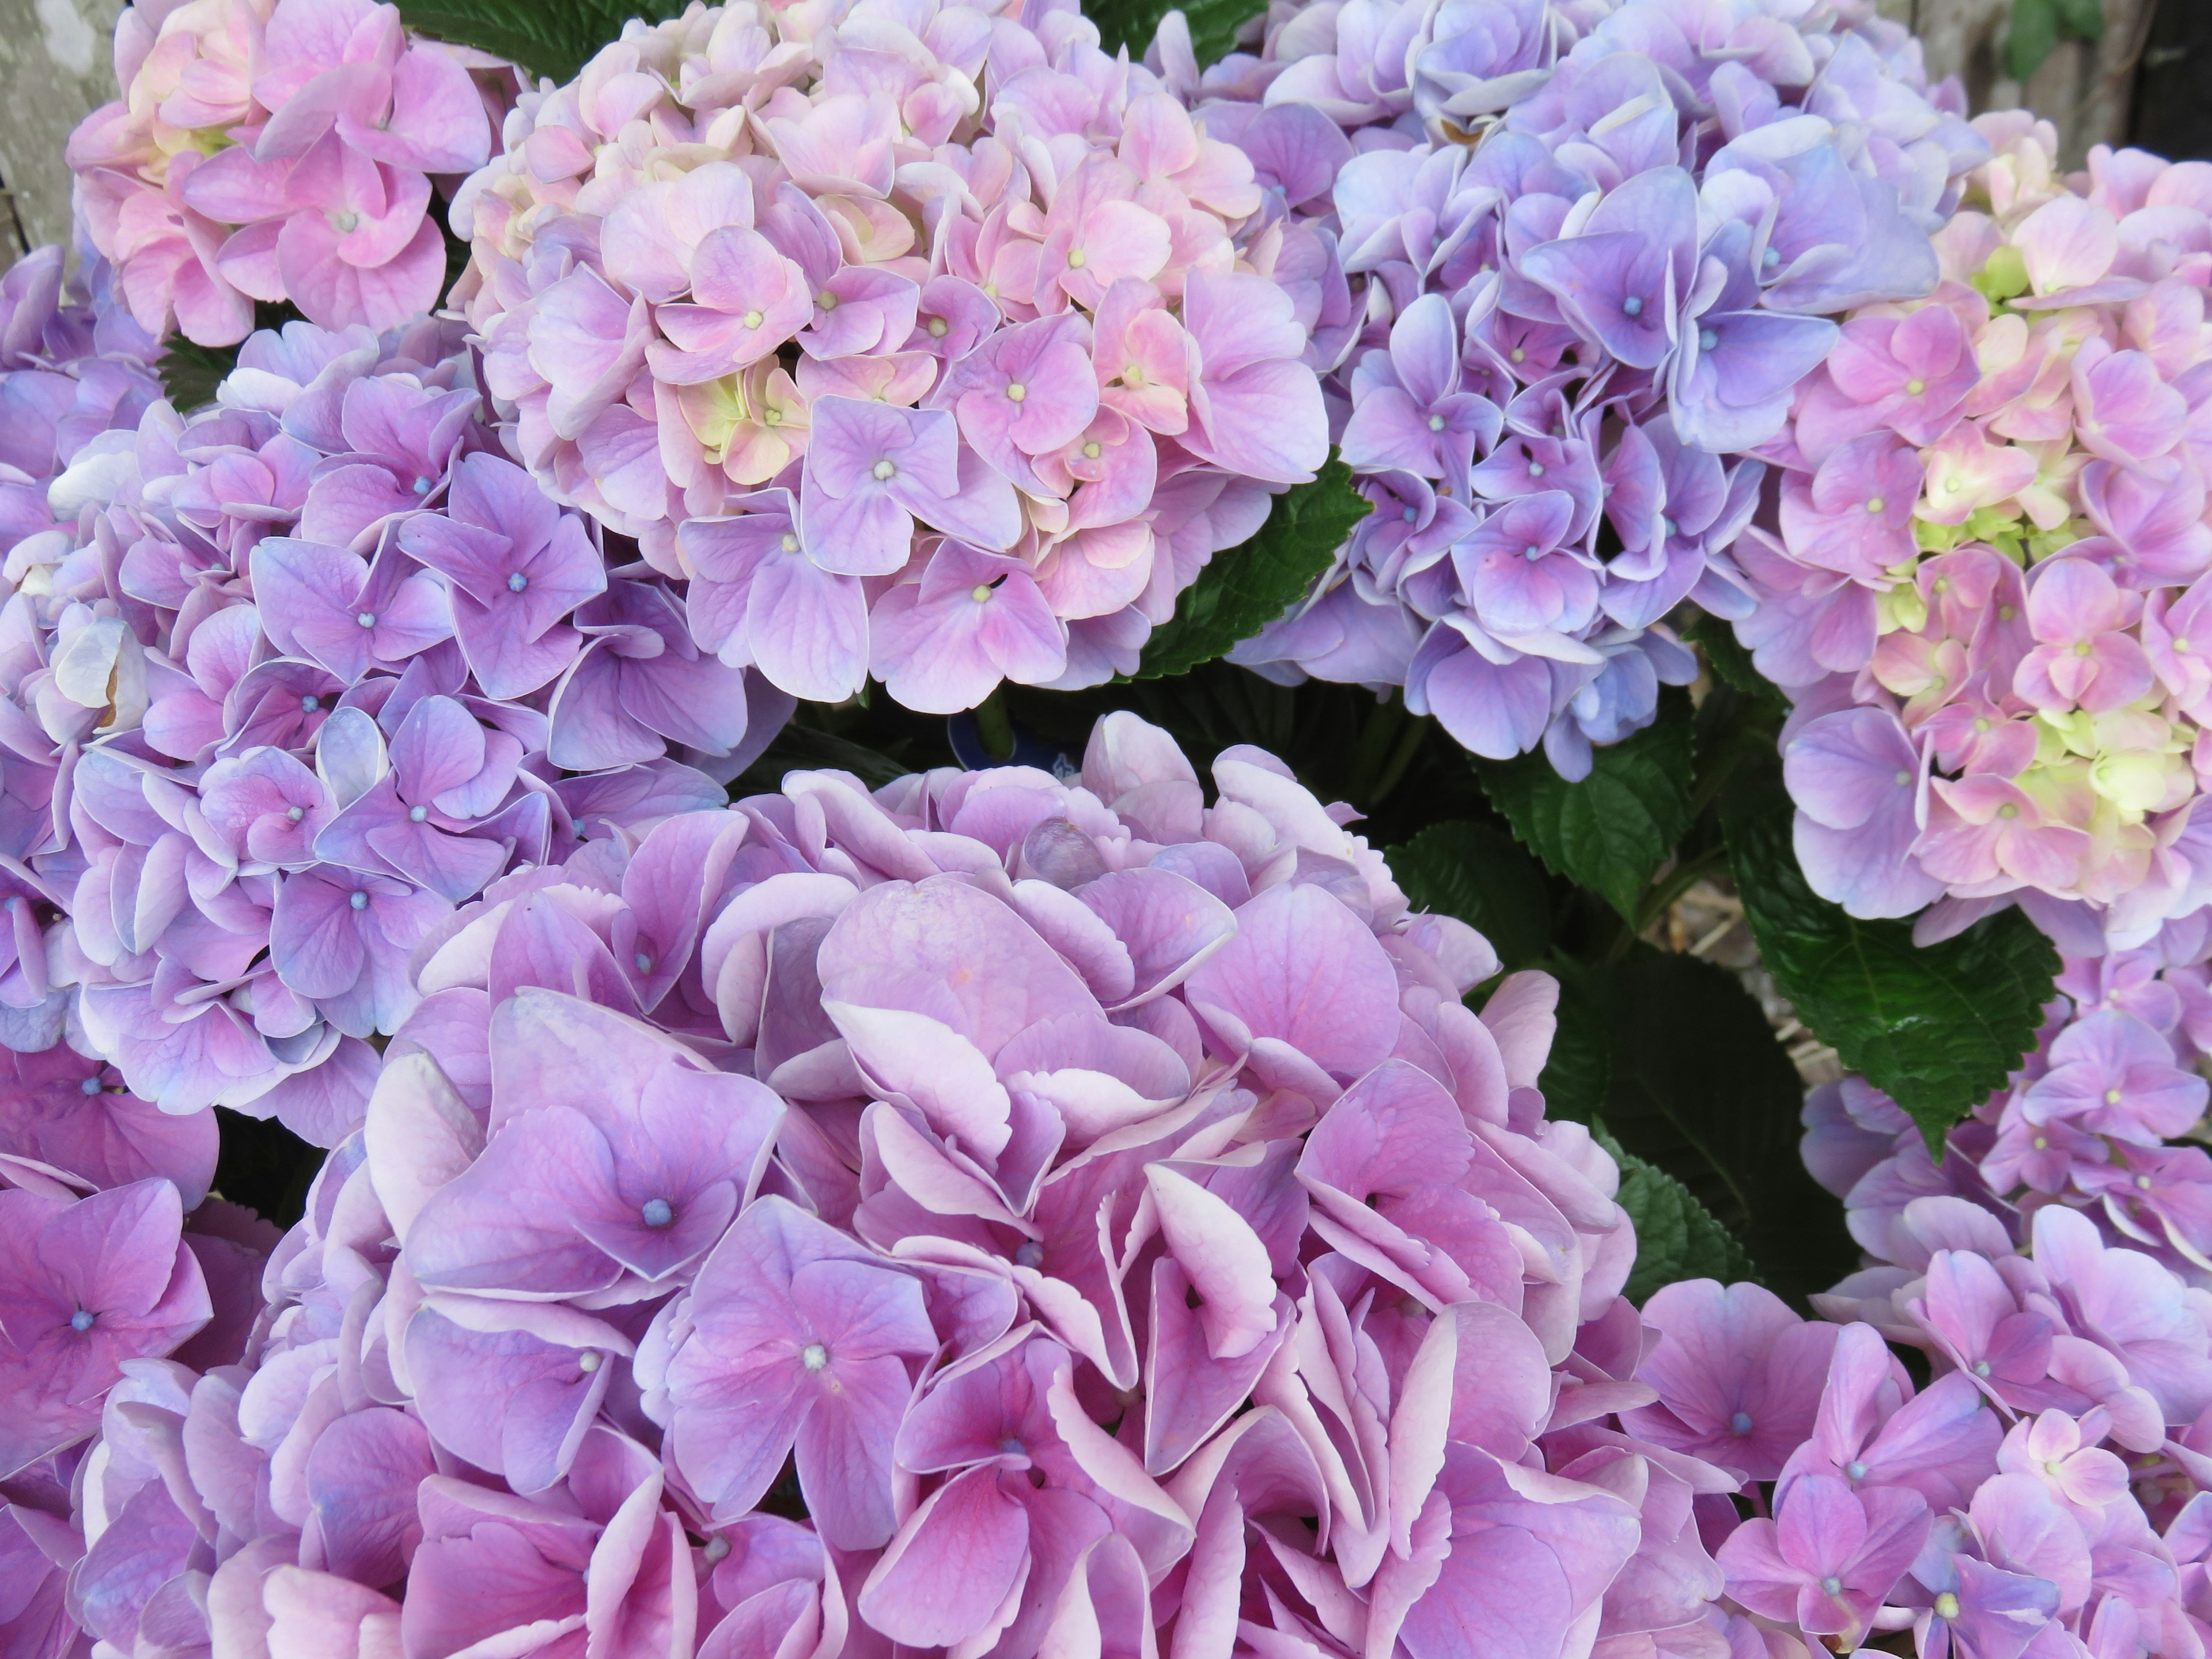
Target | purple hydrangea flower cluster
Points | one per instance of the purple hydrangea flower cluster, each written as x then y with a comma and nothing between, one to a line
72,364
280,152
2100,1117
1098,1209
2043,1494
930,343
1580,277
1984,583
295,676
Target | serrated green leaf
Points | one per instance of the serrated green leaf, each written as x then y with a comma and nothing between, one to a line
1213,24
1676,1237
190,372
1482,876
2033,34
555,39
1241,591
1612,831
1936,1028
1702,1090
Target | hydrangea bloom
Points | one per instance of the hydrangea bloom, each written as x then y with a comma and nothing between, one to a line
2043,1494
1101,1202
280,151
1573,281
294,676
2100,1118
1987,566
72,364
931,344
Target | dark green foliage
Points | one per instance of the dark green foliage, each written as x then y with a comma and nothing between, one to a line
1243,589
2038,26
190,372
1477,872
1612,830
1936,1028
1213,24
1701,1089
1676,1237
555,39
264,1166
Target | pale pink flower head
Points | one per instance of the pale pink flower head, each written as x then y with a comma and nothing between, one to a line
815,247
281,154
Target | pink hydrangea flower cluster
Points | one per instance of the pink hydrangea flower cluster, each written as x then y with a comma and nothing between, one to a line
2045,1493
1983,582
929,342
283,151
1575,279
72,364
294,676
1095,1212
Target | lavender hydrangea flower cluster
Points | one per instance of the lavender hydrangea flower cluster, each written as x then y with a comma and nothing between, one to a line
2100,1117
1983,586
1587,274
297,675
72,364
2045,1493
280,152
930,343
1080,1192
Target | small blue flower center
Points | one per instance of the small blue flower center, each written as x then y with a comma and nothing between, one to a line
1772,257
81,1320
644,963
516,582
1535,469
416,814
359,901
1411,514
1012,1447
309,703
366,618
1532,551
656,1212
1740,1423
421,485
1707,339
1833,1584
1029,1254
1670,527
90,1086
1633,305
1855,1470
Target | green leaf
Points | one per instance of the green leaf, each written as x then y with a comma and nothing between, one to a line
1481,875
1578,1076
1241,591
2082,19
190,372
1731,664
555,39
1702,1090
1937,1028
2033,34
1676,1237
1612,830
1213,24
